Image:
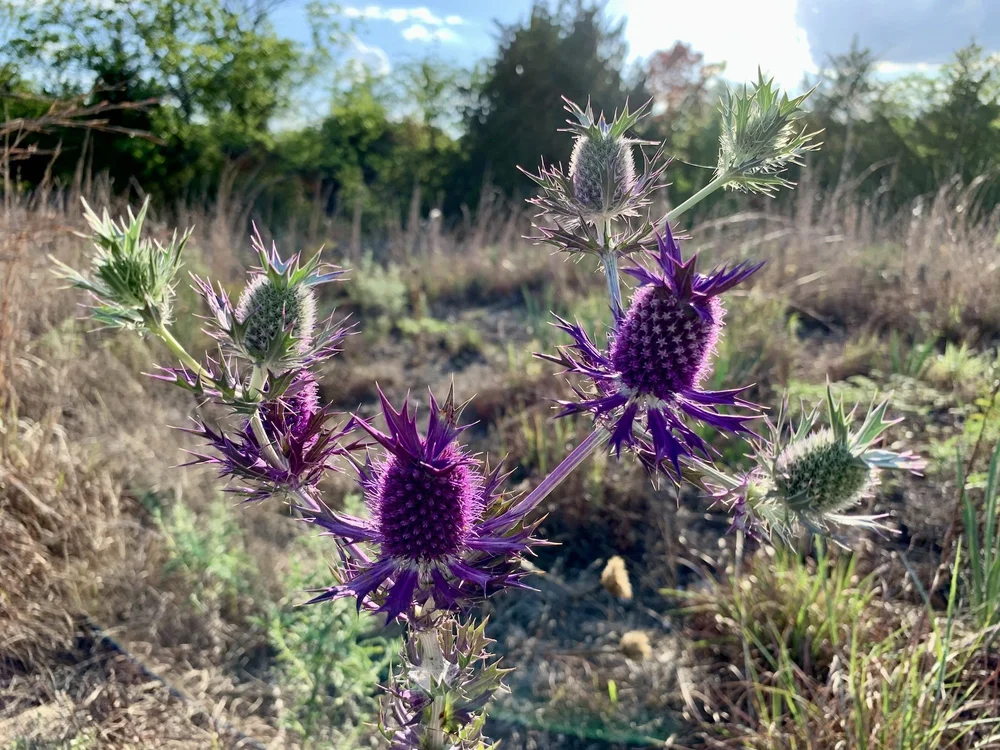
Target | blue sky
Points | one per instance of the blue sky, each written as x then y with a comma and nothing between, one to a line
787,38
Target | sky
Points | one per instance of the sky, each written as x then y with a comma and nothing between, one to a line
787,38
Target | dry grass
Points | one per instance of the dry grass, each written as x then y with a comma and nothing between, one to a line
930,268
83,445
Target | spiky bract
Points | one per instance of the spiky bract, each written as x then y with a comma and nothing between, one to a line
602,184
274,325
448,677
132,278
810,477
299,432
658,352
761,137
438,525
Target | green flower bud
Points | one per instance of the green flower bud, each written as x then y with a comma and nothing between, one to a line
809,477
760,137
820,474
603,170
132,277
276,319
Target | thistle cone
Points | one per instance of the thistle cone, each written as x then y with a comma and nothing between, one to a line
268,309
820,474
603,172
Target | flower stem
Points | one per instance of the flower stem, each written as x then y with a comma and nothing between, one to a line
179,351
698,197
578,455
610,260
257,424
433,663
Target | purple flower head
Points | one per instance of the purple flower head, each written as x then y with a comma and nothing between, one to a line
273,326
300,435
658,352
438,526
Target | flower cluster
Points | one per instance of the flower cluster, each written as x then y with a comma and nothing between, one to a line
273,326
439,533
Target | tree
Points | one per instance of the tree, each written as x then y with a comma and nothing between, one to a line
566,51
685,91
217,68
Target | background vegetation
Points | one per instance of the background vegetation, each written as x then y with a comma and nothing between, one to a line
221,95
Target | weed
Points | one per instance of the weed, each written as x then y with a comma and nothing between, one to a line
330,659
209,553
378,292
982,539
829,665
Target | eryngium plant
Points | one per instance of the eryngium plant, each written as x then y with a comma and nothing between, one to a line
442,533
448,677
761,137
658,353
601,186
439,534
273,326
809,476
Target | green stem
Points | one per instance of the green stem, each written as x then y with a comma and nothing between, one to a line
748,669
257,424
610,260
180,352
698,197
433,661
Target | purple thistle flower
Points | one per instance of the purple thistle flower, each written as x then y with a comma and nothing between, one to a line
300,435
658,352
438,523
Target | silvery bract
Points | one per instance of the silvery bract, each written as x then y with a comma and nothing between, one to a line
808,476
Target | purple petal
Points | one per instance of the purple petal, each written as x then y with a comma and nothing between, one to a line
467,573
622,433
360,586
400,595
664,443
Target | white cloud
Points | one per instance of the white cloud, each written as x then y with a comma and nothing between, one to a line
420,15
743,34
369,57
416,33
420,33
